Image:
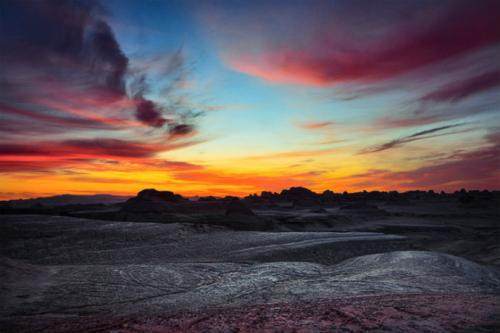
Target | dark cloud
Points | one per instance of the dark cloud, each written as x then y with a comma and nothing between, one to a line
432,130
94,148
60,68
171,107
65,41
13,166
43,119
180,130
113,147
149,113
430,133
456,91
61,64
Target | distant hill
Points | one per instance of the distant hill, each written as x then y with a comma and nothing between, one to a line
67,199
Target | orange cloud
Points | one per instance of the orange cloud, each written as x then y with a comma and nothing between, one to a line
315,125
285,73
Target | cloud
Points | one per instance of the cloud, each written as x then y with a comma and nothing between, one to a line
61,64
179,165
71,98
354,49
61,41
180,130
426,134
171,107
421,113
346,41
411,120
45,119
89,153
244,182
313,173
99,147
92,148
113,147
456,91
148,113
315,125
476,169
292,154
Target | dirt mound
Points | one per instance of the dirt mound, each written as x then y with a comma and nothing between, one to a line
430,270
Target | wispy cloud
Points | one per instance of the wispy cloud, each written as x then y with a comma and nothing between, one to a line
315,125
426,134
456,91
472,169
292,154
82,153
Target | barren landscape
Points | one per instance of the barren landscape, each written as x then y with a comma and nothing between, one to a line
351,264
249,166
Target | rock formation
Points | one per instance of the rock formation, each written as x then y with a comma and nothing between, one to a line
152,201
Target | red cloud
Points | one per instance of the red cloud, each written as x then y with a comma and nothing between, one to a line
44,118
379,42
81,148
47,155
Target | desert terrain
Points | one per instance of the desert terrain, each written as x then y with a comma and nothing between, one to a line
274,262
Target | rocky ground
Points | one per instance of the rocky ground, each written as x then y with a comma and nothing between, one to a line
378,266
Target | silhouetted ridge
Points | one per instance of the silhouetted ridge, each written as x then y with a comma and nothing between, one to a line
151,200
155,195
300,196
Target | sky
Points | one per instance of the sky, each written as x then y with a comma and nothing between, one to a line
238,97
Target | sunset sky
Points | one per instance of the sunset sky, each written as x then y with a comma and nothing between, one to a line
236,97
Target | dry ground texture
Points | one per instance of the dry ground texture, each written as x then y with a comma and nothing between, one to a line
396,273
